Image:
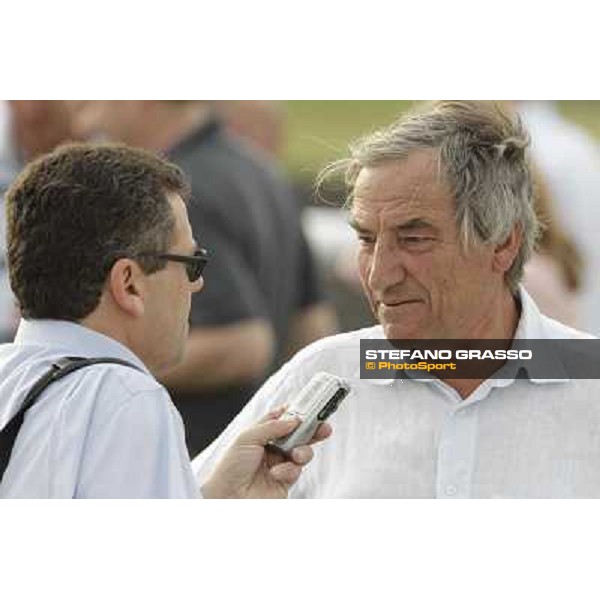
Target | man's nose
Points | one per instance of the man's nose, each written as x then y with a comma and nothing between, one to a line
386,269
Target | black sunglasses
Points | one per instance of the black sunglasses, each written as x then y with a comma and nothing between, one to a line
194,265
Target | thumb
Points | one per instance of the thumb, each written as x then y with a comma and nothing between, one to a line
262,433
275,413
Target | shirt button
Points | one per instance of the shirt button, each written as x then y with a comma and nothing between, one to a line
451,490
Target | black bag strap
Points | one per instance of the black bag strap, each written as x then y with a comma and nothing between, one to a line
61,368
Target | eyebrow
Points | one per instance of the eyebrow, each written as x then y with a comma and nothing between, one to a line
411,225
357,226
417,223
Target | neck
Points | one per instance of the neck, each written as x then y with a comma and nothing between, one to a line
109,328
499,322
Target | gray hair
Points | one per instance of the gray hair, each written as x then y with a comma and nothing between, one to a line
482,150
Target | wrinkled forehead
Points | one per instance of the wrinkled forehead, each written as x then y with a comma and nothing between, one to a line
415,186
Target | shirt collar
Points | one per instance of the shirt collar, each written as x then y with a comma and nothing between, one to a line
531,327
73,340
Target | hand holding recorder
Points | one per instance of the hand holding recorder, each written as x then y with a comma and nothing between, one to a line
267,459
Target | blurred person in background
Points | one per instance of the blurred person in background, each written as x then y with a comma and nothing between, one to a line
568,159
261,122
264,301
28,128
553,275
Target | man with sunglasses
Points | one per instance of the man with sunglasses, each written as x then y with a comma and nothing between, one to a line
265,301
103,263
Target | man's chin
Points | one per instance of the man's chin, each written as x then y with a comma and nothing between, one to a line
398,332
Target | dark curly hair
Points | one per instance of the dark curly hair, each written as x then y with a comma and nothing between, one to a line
72,213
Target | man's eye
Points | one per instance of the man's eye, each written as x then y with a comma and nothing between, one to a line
416,242
366,239
414,239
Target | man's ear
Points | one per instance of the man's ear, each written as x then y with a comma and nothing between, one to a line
127,286
506,252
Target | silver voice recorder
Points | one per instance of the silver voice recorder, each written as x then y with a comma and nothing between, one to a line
317,400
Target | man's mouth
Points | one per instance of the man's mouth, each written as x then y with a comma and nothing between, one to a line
400,303
394,309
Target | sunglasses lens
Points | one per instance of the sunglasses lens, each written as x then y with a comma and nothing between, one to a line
194,270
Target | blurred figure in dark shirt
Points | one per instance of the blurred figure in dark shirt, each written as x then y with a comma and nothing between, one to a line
262,300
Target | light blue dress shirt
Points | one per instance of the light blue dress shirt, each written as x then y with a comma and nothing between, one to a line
417,438
106,431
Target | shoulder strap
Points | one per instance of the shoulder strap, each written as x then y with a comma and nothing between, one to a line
61,368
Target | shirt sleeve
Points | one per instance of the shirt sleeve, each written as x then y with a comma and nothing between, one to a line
137,451
311,286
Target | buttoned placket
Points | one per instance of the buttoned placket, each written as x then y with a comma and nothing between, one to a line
456,452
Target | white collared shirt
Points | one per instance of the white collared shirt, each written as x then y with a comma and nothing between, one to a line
416,438
106,431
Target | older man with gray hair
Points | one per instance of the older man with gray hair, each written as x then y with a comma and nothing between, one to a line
442,205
